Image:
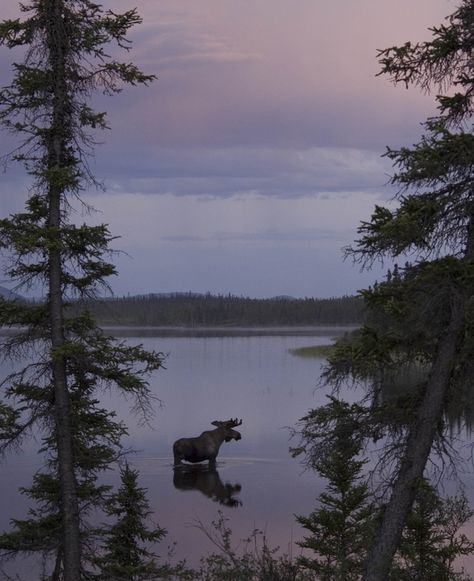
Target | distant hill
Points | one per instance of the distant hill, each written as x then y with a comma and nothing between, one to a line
10,295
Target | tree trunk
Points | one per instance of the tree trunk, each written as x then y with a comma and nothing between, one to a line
57,154
420,440
418,448
64,438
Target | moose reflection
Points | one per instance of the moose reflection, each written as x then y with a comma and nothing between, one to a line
206,446
207,480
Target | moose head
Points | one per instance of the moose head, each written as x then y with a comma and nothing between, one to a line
227,426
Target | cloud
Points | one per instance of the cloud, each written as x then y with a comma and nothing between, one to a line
260,74
253,97
226,172
179,43
145,221
277,236
197,50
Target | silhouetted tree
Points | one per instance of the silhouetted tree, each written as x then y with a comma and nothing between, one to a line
431,541
47,107
423,318
341,526
127,555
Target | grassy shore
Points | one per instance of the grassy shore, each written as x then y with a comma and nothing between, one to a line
314,351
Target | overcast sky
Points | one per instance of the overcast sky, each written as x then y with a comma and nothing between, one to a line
248,165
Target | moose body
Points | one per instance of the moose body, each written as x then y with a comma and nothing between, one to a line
207,445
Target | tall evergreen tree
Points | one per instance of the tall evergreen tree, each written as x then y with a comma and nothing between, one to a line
339,529
422,320
47,107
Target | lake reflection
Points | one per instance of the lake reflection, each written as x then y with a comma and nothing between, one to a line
206,480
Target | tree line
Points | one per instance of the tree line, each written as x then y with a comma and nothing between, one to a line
196,310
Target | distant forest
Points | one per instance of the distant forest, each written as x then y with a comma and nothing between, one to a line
206,310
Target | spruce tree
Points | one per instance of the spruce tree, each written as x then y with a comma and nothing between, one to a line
340,527
70,360
420,323
126,555
431,541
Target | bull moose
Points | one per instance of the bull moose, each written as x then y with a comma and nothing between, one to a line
206,446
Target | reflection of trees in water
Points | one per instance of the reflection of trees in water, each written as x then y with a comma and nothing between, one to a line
407,380
207,481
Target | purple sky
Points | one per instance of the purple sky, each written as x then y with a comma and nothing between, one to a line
249,163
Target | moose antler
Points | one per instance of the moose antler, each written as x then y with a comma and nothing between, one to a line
233,423
228,423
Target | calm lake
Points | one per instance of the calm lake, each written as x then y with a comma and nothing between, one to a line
213,376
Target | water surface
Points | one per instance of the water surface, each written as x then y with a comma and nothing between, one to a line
209,377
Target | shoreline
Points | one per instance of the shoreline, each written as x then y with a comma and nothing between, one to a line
237,331
222,331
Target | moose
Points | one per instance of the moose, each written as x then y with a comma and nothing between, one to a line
206,446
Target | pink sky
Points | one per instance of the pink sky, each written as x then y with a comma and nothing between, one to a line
250,162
